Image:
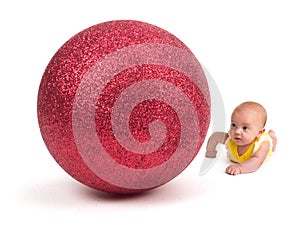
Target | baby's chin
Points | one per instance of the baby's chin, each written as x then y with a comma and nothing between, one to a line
240,142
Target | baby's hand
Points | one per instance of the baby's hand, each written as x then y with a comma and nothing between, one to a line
233,169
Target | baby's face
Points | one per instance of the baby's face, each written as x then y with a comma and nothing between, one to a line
245,127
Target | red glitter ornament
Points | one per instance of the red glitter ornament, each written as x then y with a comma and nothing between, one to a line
123,106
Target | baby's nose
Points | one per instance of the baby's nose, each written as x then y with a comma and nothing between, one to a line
238,131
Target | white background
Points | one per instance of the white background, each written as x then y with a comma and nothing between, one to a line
252,50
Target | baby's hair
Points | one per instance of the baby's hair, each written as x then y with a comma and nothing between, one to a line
254,106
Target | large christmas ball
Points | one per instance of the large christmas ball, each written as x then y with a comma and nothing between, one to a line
123,106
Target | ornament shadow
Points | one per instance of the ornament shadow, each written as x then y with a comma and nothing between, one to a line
67,193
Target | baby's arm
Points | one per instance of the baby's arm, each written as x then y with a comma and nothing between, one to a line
253,163
213,141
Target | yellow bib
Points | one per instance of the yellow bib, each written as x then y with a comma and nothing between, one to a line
232,148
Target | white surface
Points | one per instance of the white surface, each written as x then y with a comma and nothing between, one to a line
251,50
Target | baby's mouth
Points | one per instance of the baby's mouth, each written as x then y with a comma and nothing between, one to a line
237,139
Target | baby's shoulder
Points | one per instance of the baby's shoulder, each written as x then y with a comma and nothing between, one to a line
265,137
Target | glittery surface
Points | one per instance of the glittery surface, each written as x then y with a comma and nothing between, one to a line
123,106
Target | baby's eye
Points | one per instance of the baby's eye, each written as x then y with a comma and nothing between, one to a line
233,125
245,128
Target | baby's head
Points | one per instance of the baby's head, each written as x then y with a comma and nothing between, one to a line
247,122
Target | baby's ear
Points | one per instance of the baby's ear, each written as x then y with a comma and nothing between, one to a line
261,131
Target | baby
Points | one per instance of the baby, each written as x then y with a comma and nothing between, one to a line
247,143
